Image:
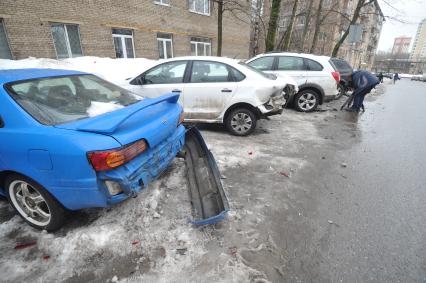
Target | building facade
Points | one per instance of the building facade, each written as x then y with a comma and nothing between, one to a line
401,45
419,46
118,29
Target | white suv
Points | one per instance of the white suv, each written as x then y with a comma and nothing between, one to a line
316,78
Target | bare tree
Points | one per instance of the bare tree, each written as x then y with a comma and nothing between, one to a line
355,16
289,30
306,27
237,8
219,26
272,26
317,27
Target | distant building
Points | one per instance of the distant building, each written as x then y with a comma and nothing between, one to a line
419,46
401,45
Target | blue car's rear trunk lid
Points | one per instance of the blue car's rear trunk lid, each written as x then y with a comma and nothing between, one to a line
151,119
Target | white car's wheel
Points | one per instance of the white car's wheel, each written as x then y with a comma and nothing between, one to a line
241,122
34,204
306,100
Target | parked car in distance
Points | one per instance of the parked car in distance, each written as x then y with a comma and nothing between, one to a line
345,70
70,140
421,78
416,77
316,78
217,90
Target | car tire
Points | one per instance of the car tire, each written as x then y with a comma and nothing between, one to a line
306,100
241,122
34,203
341,90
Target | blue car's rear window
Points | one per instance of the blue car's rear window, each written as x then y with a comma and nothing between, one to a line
58,100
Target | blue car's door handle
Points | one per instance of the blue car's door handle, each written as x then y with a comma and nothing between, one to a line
226,90
176,91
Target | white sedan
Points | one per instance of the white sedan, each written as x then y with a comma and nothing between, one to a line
217,90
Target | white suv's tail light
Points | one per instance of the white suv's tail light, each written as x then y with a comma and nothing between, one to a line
336,76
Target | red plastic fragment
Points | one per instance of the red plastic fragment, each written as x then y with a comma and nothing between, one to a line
285,174
46,257
233,251
135,242
21,246
250,153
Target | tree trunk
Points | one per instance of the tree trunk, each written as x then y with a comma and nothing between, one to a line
345,34
317,27
219,27
272,26
289,31
306,27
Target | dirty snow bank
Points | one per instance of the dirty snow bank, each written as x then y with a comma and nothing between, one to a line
114,70
148,238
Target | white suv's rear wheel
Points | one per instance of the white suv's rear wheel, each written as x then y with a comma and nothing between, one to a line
306,100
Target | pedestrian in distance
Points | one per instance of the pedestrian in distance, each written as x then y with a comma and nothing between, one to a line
380,76
362,82
395,77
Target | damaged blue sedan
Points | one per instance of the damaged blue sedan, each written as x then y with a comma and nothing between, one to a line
70,140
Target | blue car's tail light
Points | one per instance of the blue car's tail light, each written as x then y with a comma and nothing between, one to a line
113,158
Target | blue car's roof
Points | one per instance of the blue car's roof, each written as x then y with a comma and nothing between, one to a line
12,75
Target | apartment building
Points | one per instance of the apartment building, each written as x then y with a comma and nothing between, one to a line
118,29
401,45
419,46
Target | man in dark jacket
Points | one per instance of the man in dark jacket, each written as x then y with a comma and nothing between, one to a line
362,82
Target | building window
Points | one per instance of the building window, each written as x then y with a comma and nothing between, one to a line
162,2
201,46
200,6
66,38
4,44
123,43
165,45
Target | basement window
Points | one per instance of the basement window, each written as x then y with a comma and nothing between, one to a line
165,45
201,46
123,43
4,44
66,38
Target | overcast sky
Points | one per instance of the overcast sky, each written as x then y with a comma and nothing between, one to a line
410,11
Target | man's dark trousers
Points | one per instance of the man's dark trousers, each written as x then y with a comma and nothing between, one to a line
359,95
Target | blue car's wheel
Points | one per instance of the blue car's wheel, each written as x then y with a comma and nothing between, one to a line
34,204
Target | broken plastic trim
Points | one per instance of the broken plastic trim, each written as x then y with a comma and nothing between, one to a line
209,202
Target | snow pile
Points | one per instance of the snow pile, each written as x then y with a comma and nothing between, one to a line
114,70
145,239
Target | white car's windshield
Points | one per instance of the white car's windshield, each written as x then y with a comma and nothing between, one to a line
59,100
265,75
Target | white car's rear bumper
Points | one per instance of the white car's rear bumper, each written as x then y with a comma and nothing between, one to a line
274,106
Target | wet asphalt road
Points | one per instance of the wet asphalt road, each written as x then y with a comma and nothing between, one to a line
376,206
